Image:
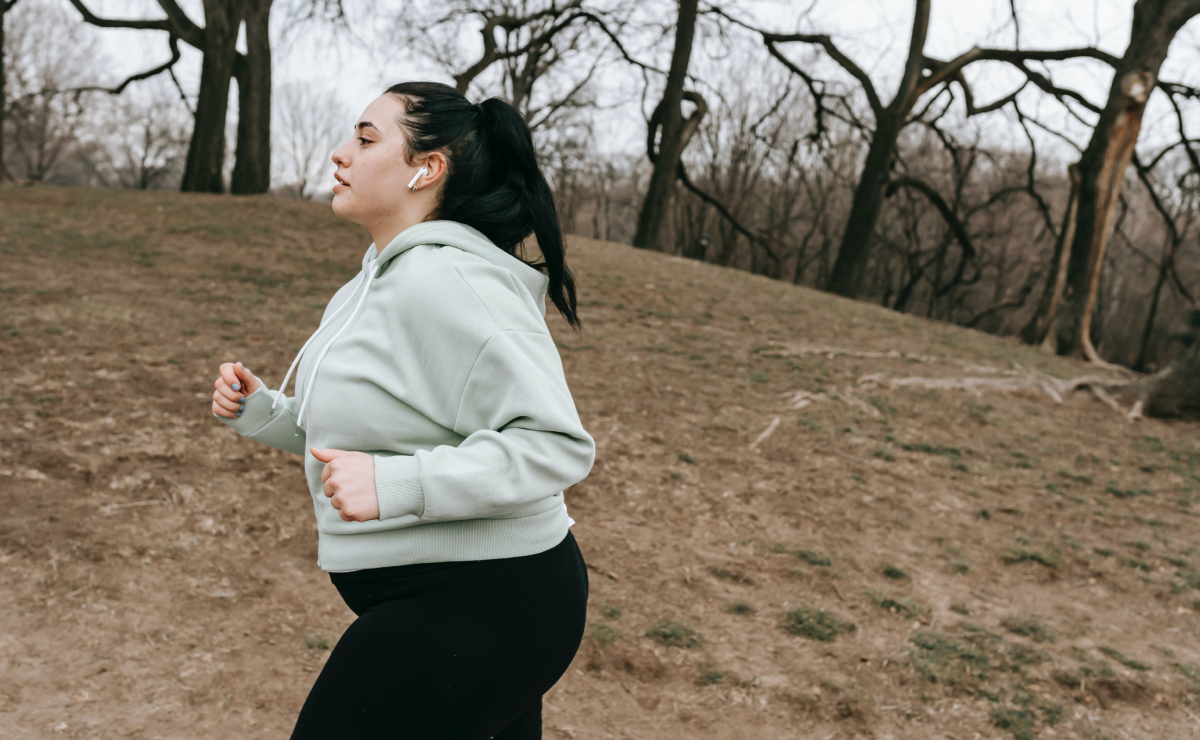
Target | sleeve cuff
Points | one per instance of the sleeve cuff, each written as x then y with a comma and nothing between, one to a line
398,486
256,415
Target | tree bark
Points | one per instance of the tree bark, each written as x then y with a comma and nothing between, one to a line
1104,161
850,267
1042,321
670,148
206,152
252,167
5,175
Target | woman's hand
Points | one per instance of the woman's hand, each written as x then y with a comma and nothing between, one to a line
349,483
232,387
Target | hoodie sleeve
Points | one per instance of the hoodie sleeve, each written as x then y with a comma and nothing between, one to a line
523,440
258,423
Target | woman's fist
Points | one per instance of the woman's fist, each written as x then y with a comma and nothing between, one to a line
349,483
232,387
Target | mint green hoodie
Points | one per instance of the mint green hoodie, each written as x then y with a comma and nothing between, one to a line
436,360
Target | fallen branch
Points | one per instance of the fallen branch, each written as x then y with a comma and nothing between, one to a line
1005,381
766,432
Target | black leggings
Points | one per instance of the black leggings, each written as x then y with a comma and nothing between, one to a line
452,651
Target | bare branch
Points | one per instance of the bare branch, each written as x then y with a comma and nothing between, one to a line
77,91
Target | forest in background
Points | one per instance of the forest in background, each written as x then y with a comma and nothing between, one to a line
769,150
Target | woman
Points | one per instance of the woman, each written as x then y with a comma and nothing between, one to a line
438,431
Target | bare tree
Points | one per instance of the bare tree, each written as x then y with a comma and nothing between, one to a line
308,122
675,130
146,140
1104,162
48,55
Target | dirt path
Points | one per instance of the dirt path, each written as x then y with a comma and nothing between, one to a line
1011,566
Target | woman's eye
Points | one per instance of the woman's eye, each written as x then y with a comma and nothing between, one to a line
365,141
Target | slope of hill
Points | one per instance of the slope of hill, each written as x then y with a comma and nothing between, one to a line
788,536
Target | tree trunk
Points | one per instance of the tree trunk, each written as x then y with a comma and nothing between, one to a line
5,175
1041,323
1171,392
670,148
1103,164
850,266
252,167
206,152
1144,350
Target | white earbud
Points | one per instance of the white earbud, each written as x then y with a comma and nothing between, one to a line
413,183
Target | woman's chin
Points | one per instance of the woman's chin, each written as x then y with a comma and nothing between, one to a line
342,206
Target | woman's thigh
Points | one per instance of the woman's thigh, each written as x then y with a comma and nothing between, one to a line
459,655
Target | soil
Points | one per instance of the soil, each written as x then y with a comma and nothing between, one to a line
778,545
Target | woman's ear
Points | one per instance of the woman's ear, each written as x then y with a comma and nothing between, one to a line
435,165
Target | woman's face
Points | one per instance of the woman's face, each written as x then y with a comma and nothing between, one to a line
371,171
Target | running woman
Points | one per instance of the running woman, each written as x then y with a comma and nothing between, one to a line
438,431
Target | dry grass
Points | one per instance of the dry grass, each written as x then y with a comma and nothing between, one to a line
158,577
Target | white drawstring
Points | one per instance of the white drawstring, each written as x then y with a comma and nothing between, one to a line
332,316
312,376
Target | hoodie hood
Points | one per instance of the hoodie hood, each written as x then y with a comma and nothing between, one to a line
468,239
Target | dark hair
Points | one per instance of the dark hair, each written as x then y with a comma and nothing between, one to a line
493,180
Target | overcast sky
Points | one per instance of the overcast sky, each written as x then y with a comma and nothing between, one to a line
873,32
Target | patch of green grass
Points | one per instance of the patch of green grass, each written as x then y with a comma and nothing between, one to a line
709,674
1103,552
600,633
882,453
929,449
960,609
1114,489
941,659
1123,659
740,607
814,558
904,607
673,634
1028,626
1191,673
960,567
816,624
1017,721
685,457
1050,560
610,612
893,572
1191,578
1020,654
1136,563
760,377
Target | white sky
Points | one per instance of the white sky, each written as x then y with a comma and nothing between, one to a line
872,32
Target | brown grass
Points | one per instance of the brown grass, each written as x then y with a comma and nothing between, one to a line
158,577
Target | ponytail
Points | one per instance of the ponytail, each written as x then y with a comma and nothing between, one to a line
493,182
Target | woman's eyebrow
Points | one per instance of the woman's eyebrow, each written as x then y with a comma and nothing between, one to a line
364,124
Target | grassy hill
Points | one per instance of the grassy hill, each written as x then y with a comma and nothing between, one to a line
783,540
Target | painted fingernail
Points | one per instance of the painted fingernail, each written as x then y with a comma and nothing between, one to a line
238,413
236,387
241,408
